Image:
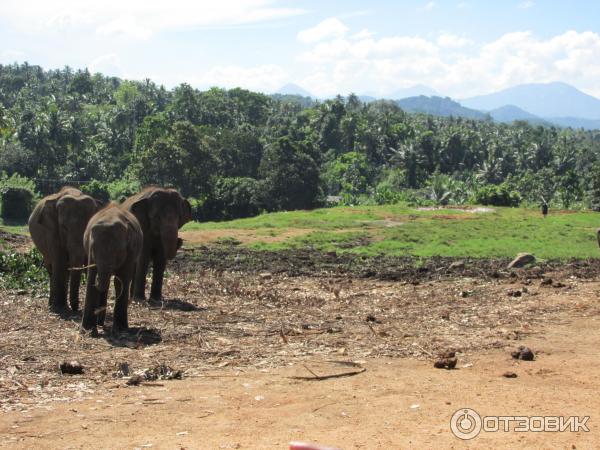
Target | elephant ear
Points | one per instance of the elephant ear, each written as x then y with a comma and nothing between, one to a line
140,209
186,213
48,217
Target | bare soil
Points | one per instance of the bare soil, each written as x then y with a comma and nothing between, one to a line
240,325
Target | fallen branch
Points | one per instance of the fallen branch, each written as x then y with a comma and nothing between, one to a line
327,377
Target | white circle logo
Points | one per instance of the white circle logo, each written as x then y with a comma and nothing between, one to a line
465,423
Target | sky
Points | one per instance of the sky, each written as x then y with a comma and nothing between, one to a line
460,48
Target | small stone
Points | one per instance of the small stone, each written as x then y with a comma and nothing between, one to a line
523,353
521,260
135,380
546,282
509,375
71,367
457,265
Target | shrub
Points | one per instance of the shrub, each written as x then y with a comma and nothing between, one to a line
497,195
96,189
23,271
121,189
17,203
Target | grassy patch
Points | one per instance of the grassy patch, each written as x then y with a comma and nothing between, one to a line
400,230
17,228
23,271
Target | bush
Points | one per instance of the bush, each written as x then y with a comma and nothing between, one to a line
231,198
96,189
17,203
121,189
497,195
23,271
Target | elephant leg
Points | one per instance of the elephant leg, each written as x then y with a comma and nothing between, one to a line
101,309
74,283
58,286
122,282
139,282
89,319
49,270
158,272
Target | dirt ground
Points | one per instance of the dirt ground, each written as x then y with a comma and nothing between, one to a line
240,331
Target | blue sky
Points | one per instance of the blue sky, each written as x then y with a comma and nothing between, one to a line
459,48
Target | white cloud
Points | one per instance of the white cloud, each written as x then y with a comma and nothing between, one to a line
363,34
265,78
451,64
10,56
447,40
109,64
329,28
138,18
429,6
526,4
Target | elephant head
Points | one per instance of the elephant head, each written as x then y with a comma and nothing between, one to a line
161,213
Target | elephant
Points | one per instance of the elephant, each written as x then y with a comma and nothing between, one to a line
56,226
113,241
161,212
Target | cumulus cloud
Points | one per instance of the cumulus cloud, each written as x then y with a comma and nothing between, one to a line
447,40
109,64
329,28
138,18
451,64
264,78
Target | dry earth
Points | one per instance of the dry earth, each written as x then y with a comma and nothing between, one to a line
240,337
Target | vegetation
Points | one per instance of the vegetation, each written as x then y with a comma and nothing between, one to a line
401,230
23,271
237,153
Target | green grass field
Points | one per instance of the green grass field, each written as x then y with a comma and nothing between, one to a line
401,230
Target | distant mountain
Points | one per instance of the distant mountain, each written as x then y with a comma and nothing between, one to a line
305,102
413,91
439,106
367,98
575,122
511,113
293,89
542,100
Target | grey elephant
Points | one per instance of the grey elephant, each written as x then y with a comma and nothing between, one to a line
113,242
56,226
161,212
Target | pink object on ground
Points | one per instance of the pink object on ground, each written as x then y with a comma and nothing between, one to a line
307,446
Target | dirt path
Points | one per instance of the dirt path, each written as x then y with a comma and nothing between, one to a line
396,403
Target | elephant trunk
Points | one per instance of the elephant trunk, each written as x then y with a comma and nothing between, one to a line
103,281
169,240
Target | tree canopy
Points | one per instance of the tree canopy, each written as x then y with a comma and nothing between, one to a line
238,152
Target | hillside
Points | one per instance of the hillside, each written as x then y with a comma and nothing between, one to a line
293,89
542,100
438,106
